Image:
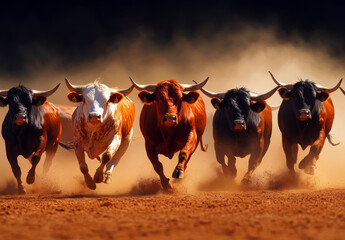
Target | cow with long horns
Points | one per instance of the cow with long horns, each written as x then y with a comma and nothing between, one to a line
305,117
30,128
103,125
242,125
171,121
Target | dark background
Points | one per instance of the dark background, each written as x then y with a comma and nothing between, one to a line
78,31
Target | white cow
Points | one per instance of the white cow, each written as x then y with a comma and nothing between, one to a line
103,124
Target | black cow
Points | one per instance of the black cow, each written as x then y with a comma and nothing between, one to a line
31,126
242,125
305,117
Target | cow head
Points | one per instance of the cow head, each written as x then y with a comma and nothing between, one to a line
95,99
168,96
20,101
237,103
303,95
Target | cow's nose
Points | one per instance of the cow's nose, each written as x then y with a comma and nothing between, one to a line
304,114
239,125
170,119
20,118
94,117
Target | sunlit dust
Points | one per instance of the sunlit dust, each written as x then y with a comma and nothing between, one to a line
231,59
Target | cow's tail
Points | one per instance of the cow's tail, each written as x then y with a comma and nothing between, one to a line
68,146
203,147
330,140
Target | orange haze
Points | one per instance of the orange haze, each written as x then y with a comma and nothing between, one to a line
231,59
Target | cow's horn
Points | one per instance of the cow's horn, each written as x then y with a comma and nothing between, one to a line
329,90
74,88
213,95
265,96
124,91
195,87
3,93
45,93
288,86
150,88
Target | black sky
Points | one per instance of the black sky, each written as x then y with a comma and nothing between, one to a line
78,31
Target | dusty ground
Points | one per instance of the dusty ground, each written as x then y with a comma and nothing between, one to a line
259,214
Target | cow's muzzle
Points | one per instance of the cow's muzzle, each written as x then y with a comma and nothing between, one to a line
239,125
304,114
20,119
170,120
95,118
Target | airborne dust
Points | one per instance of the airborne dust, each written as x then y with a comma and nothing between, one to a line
231,59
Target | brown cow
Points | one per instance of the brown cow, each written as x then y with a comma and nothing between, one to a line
171,121
305,117
66,112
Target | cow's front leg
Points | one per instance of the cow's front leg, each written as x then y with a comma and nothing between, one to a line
107,155
185,155
291,150
118,155
231,169
79,152
12,159
309,162
35,159
157,165
254,161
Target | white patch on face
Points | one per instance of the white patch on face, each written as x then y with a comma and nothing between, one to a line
96,100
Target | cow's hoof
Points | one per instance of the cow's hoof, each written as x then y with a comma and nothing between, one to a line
107,178
98,178
167,186
310,170
246,182
21,190
30,179
303,164
89,182
178,173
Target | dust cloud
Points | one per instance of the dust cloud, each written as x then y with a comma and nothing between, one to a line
231,59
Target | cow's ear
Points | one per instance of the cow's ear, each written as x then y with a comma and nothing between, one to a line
322,96
3,102
115,97
284,93
75,97
191,97
146,97
258,106
217,103
38,101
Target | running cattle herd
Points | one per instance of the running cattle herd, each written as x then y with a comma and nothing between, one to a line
173,119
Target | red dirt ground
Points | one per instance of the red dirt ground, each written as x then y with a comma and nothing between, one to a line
259,214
